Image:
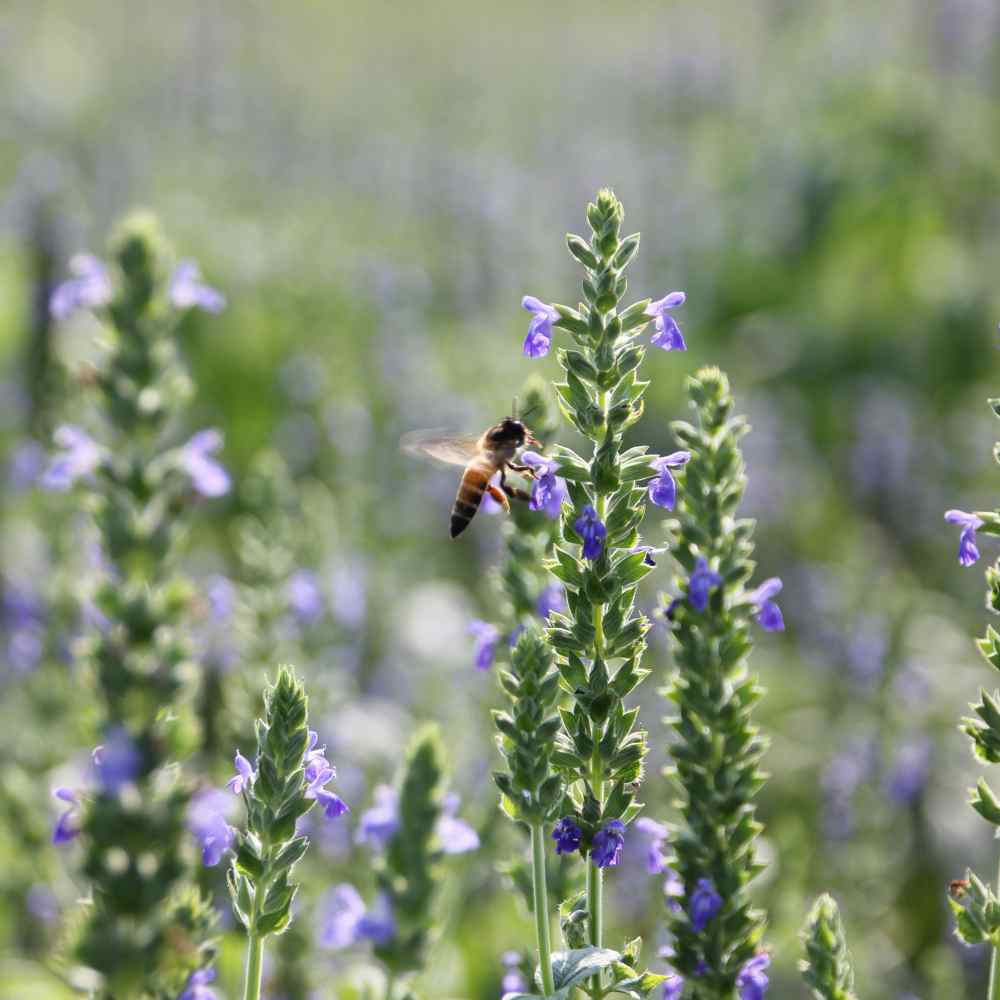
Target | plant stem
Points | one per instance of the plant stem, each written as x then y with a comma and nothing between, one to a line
255,955
994,988
390,982
541,904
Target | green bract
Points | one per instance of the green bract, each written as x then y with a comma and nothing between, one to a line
826,968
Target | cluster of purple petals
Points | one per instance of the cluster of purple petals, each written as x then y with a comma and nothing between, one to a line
606,850
567,836
207,820
24,623
548,491
79,457
117,760
704,904
344,920
486,637
379,824
198,986
513,978
208,476
704,579
968,550
655,835
667,334
663,489
592,531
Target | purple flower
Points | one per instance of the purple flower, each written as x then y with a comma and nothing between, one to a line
668,333
513,979
208,477
25,465
206,819
487,636
68,824
244,777
89,288
673,987
752,981
378,924
908,774
187,290
331,803
656,835
702,581
81,456
379,824
768,613
648,552
552,598
197,987
663,489
591,529
454,834
968,551
539,339
567,836
304,597
340,911
673,890
704,904
221,594
117,760
548,491
608,843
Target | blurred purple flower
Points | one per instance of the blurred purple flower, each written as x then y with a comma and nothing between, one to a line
968,550
548,491
187,290
752,981
908,774
378,924
455,835
68,824
606,850
648,552
26,465
244,776
89,288
487,637
206,819
333,805
668,333
567,836
704,904
539,339
304,597
513,979
197,986
673,988
656,836
42,903
81,456
340,909
768,613
552,598
702,581
673,890
208,476
379,824
593,532
117,760
348,598
221,593
867,646
663,489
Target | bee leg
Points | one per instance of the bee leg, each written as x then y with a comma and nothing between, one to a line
516,494
500,496
523,470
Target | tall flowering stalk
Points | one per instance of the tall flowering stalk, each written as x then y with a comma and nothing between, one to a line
600,639
826,969
144,933
717,932
975,903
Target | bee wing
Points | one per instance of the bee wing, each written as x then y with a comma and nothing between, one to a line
451,449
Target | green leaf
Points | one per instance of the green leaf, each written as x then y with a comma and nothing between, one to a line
640,985
572,967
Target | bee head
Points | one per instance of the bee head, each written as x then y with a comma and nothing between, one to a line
511,431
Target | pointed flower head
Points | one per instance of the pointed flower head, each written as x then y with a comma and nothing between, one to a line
68,824
608,843
487,637
768,613
187,290
208,477
701,582
80,456
704,904
663,489
539,339
593,532
548,491
968,550
668,333
656,836
88,288
752,981
244,777
567,836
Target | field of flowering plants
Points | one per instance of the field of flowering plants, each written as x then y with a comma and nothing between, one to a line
495,502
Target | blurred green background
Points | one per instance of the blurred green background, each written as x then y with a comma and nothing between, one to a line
374,187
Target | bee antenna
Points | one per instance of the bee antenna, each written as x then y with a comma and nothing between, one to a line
513,411
530,410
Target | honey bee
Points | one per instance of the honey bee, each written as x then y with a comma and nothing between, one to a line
492,452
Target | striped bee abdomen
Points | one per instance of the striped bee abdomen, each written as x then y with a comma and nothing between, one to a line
470,494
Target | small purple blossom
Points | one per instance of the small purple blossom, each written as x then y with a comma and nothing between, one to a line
552,598
704,904
768,613
454,834
567,836
340,910
673,988
548,491
668,333
206,819
68,824
656,836
187,290
648,552
244,777
968,550
673,890
663,489
117,760
752,981
513,979
197,986
701,582
89,288
608,843
208,476
80,456
539,339
593,532
379,824
332,804
908,775
378,924
304,597
487,637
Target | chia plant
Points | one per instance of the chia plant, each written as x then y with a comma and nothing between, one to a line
976,905
716,754
144,932
826,969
